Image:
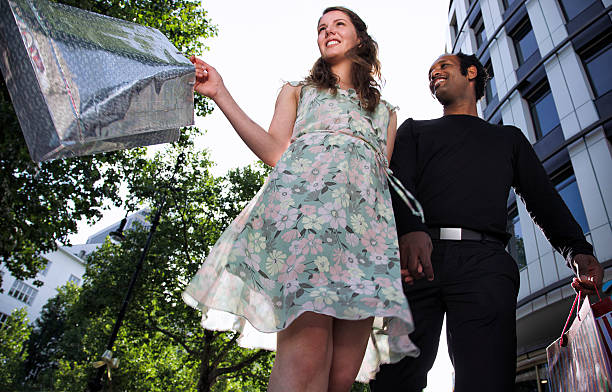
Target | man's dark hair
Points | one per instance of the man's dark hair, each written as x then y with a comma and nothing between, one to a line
466,61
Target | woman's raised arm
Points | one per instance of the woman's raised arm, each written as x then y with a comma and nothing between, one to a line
268,146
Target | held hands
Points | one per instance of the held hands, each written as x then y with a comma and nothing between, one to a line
589,274
208,81
415,256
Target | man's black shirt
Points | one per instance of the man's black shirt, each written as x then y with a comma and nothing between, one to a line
461,169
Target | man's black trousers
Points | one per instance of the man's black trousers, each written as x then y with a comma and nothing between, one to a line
476,284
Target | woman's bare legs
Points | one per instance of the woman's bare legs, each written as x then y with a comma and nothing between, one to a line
303,355
350,340
319,353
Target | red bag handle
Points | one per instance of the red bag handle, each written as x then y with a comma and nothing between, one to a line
563,339
597,291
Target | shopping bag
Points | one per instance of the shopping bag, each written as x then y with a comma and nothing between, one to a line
83,83
602,311
577,361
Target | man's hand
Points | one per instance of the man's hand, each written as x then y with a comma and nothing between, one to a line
589,273
415,256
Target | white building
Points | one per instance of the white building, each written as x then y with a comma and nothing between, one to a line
66,264
550,61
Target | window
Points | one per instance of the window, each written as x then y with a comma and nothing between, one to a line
479,31
490,88
23,292
508,3
568,189
46,270
543,110
3,317
516,247
74,279
572,8
453,29
524,41
534,378
597,59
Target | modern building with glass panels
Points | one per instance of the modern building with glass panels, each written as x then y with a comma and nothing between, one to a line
551,68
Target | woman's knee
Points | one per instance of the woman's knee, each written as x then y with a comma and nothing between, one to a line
341,380
305,347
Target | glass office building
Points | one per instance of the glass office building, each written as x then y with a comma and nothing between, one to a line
549,62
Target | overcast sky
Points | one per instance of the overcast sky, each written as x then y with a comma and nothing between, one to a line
263,43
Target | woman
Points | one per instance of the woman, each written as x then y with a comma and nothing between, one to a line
314,255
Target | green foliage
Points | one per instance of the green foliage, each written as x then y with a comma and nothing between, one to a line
161,345
13,335
42,203
47,333
360,387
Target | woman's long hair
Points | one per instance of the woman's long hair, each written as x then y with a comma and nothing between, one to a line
365,69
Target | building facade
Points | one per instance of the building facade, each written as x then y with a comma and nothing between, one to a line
549,62
66,264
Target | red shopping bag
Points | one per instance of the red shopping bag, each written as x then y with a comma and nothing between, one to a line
602,311
578,360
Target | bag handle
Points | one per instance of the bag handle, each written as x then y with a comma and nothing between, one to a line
563,339
597,291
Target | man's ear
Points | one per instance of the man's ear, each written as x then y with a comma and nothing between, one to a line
472,72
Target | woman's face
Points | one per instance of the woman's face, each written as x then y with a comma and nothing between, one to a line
337,35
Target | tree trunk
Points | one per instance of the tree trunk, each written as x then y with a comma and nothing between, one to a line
204,381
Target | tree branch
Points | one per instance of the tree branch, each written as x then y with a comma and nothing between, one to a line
230,369
224,350
185,237
172,336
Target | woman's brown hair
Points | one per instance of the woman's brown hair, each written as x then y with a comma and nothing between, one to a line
364,69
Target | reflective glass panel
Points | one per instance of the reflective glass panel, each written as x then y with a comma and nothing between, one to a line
598,68
526,45
573,8
568,189
508,3
516,247
481,36
544,113
490,88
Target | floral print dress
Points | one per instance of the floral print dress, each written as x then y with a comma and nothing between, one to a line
319,236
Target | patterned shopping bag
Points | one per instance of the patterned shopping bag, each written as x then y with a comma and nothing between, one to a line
602,311
578,360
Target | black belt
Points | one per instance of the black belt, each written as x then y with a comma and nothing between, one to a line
458,234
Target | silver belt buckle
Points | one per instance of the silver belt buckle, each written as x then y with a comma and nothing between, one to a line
450,233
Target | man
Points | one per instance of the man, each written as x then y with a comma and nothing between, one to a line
461,169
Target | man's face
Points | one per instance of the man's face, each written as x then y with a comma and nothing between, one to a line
445,79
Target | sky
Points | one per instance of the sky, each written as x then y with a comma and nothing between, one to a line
261,44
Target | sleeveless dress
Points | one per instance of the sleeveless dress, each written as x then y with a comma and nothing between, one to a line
319,236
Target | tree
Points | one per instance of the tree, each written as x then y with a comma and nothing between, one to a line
42,203
13,335
161,344
46,333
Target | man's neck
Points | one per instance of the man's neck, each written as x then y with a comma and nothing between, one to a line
467,108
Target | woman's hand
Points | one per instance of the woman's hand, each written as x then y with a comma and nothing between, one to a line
208,81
